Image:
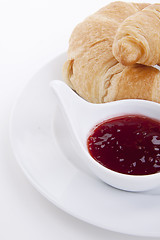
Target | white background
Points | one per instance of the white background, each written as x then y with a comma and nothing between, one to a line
32,33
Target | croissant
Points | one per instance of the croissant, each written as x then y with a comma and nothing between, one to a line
136,82
92,70
138,38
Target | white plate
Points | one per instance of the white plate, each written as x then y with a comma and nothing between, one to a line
43,147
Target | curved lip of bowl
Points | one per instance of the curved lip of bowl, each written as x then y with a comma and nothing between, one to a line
102,169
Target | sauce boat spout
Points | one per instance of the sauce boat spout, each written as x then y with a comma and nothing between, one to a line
84,116
81,114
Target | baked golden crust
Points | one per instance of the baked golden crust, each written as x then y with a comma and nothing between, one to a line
138,38
139,82
92,70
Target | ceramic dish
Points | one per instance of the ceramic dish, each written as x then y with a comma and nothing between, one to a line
43,146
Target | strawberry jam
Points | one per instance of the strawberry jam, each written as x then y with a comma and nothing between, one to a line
127,144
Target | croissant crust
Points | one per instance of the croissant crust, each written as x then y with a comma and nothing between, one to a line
91,68
138,38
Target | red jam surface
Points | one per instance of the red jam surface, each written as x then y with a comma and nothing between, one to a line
127,144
